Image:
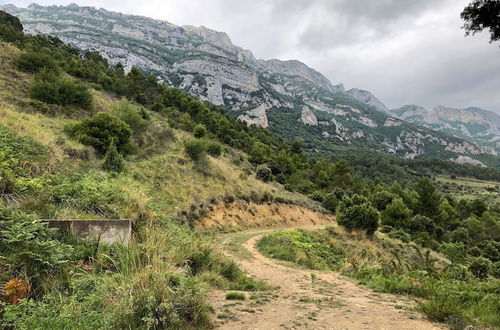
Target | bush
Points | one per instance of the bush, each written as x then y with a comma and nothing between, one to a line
51,89
33,62
460,235
11,20
381,199
480,267
420,223
28,245
316,195
356,213
113,160
100,130
199,131
134,117
235,296
400,234
214,149
330,202
396,214
490,249
195,149
454,251
264,173
11,29
495,269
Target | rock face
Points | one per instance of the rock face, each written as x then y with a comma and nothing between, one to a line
274,94
467,160
256,116
367,98
307,117
474,124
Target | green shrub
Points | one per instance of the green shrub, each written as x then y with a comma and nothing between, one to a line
113,160
480,267
439,307
19,158
312,250
330,202
264,173
90,193
425,239
490,249
400,234
381,199
195,149
33,62
235,296
51,89
454,251
246,283
99,130
214,149
11,29
495,269
356,213
396,214
28,245
199,131
460,235
317,196
166,302
420,223
135,117
11,20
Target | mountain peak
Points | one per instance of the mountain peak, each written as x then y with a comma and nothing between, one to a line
367,97
298,68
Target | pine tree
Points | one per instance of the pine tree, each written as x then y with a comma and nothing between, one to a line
113,160
428,198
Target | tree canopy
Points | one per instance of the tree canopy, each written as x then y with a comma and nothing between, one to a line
480,15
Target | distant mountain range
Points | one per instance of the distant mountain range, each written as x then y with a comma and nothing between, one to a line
287,97
474,124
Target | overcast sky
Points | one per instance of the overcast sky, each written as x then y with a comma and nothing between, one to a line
404,51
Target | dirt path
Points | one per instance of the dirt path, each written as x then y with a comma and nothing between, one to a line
324,300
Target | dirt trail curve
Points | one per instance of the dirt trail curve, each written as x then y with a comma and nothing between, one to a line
325,300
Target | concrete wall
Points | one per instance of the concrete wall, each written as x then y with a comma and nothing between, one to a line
107,231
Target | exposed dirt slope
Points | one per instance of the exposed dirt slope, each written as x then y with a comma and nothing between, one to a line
243,215
325,300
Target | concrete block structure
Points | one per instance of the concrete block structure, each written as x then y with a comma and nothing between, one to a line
108,231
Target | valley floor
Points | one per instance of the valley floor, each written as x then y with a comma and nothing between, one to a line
306,299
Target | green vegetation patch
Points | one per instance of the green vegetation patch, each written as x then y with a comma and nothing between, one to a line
303,248
235,296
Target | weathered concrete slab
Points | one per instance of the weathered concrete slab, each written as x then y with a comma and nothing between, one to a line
107,231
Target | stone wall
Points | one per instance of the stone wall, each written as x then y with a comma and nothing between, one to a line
106,231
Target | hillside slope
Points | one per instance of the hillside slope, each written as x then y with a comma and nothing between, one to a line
274,94
162,277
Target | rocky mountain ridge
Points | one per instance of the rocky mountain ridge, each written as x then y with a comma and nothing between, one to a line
287,97
475,124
